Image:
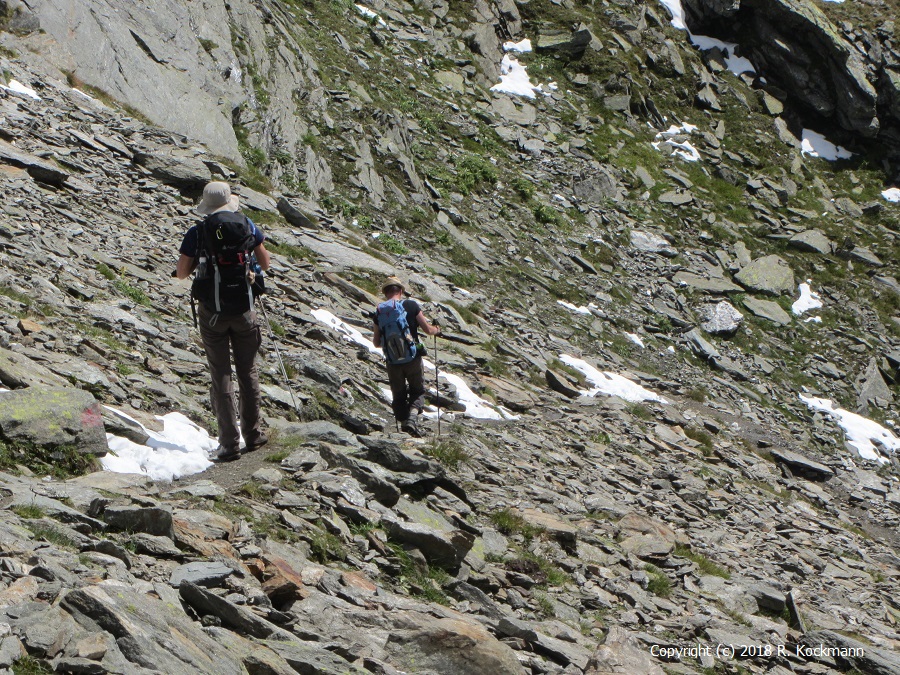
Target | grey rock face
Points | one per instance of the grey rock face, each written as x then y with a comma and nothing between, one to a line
700,345
153,61
721,319
814,63
862,657
770,274
52,417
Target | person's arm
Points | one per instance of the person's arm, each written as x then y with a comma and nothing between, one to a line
262,256
426,327
185,266
376,337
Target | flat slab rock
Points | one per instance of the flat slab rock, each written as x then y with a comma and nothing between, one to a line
207,574
766,309
801,464
711,285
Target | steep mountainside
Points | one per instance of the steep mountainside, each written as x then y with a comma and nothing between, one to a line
672,336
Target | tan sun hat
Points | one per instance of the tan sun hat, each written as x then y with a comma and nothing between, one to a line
217,197
392,281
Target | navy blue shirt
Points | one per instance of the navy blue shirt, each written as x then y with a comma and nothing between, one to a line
190,245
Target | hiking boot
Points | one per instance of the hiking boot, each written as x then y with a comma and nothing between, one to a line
257,443
410,427
226,454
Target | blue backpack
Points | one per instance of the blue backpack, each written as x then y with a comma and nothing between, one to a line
396,336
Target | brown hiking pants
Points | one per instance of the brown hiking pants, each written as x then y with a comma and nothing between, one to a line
407,387
239,335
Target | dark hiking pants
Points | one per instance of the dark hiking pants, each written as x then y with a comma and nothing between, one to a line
224,336
408,387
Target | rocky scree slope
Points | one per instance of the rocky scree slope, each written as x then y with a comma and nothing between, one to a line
569,540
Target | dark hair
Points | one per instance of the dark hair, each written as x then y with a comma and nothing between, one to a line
390,290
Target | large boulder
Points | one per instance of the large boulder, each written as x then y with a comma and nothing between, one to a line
52,417
771,275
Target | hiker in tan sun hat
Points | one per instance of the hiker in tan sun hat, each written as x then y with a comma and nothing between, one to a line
217,197
396,326
227,252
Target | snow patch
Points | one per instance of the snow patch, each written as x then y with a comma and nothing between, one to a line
611,384
807,301
369,14
182,448
815,144
514,80
635,339
476,406
683,149
19,88
349,332
892,195
521,47
575,308
862,433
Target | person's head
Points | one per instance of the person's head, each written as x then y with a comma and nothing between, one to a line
217,197
392,287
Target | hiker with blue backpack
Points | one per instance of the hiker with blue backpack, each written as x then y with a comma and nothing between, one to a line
227,255
397,323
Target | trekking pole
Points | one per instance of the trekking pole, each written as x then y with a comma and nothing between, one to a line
437,390
287,382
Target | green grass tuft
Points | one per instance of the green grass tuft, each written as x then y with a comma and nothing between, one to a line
704,564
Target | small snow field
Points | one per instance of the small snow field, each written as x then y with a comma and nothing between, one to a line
683,149
514,80
635,339
611,384
19,88
521,47
815,144
807,300
367,13
892,195
870,439
576,308
182,448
